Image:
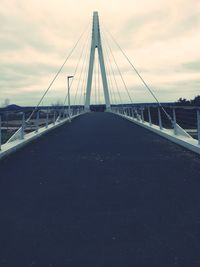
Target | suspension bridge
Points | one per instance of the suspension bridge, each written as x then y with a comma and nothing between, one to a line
113,188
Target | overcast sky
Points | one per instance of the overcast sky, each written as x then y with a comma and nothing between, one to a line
162,38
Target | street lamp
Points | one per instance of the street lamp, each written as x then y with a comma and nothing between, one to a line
68,93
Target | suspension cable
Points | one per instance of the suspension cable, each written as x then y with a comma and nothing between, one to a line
108,67
112,70
139,75
125,86
76,69
58,72
82,69
82,93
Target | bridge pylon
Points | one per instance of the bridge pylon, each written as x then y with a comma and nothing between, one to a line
96,44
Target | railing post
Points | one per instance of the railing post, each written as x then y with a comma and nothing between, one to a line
59,115
198,125
69,114
0,134
174,121
47,120
137,115
159,119
149,115
23,126
128,112
37,121
142,115
54,118
134,114
131,112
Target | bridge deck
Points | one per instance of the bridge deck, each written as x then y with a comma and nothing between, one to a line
100,192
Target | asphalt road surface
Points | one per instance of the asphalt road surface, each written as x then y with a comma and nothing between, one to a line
100,192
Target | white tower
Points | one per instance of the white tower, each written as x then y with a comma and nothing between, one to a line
96,44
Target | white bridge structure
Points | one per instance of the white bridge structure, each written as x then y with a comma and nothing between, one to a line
135,113
96,44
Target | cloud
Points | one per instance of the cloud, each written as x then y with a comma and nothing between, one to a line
160,38
192,66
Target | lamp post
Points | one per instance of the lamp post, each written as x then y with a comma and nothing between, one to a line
68,93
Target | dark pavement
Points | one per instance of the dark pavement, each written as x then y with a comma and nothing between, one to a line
100,192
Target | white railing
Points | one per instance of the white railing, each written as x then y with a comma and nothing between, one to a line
30,130
167,124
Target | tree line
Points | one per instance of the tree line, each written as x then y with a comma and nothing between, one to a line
185,102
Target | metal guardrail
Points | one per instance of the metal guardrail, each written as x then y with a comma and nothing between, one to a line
184,121
52,118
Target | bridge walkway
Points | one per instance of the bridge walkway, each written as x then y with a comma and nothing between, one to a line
100,191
